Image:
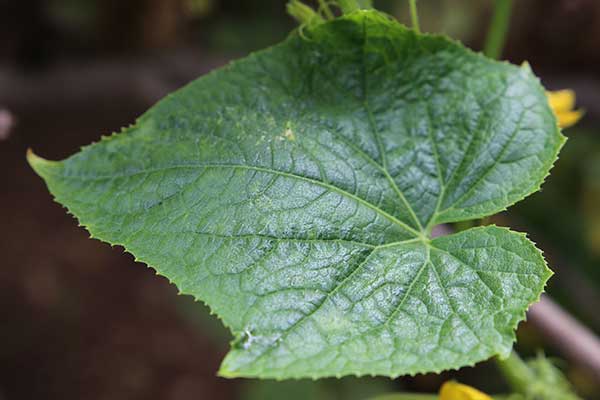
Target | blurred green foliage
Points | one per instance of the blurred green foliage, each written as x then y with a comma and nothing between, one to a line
328,389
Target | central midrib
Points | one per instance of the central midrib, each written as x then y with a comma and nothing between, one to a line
326,185
377,135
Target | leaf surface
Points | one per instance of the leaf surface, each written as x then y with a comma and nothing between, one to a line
294,191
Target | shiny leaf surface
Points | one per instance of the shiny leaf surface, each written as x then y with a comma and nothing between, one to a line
294,191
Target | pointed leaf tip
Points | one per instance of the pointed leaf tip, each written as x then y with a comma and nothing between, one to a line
40,165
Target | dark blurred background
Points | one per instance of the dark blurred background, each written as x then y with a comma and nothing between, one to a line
81,320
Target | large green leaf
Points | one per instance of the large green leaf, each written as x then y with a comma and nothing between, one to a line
294,192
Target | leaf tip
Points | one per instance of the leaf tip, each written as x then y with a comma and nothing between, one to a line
224,372
40,165
33,159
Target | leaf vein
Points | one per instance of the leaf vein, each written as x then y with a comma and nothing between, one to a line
290,175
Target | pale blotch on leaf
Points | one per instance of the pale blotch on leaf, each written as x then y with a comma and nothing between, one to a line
289,134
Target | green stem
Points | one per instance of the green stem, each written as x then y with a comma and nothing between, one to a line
414,16
348,6
464,225
496,36
324,6
303,13
516,372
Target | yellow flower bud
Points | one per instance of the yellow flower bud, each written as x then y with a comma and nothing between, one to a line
562,103
457,391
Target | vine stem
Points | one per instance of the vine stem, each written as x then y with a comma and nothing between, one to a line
496,36
516,372
324,6
414,16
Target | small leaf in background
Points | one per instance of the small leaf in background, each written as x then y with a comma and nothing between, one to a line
547,382
590,200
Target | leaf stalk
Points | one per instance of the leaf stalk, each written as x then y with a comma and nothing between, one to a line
516,372
414,16
302,13
496,36
325,9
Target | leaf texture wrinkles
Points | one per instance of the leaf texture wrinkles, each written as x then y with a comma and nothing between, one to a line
294,191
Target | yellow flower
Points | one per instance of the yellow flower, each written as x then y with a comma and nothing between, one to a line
457,391
562,103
